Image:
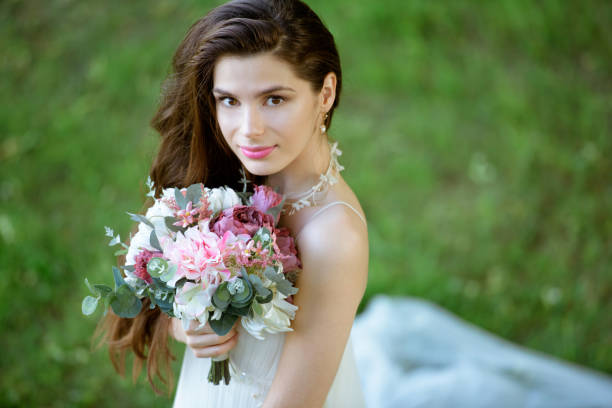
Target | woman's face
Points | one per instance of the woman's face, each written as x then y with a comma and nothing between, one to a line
269,117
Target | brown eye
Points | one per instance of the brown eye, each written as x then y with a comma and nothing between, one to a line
228,101
275,100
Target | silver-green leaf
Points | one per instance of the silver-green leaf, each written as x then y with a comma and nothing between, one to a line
89,305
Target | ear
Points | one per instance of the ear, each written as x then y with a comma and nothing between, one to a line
327,95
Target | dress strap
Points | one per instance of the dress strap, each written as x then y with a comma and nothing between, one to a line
325,207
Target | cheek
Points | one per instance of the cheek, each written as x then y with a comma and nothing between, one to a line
291,119
224,120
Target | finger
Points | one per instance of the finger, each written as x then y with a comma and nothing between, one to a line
219,349
195,329
207,340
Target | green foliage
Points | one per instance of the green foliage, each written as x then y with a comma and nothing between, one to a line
125,303
141,218
264,295
223,325
282,284
222,297
476,136
154,241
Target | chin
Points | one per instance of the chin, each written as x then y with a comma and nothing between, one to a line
260,169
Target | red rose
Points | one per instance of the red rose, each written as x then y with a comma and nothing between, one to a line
288,252
241,219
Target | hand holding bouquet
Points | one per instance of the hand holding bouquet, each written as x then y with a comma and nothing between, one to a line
209,255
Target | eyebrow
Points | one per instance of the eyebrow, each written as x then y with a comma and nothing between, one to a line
265,91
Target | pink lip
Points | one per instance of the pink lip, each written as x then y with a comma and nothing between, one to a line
256,152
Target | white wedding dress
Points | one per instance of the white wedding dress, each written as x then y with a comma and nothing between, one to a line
430,358
253,365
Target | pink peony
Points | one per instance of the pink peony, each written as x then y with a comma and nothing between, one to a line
265,198
197,253
288,252
140,264
241,219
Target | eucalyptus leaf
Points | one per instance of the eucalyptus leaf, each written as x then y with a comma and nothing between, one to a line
275,211
118,278
91,288
265,298
170,272
194,192
154,241
107,301
120,252
257,308
141,218
103,290
169,221
126,304
240,311
221,298
129,268
181,200
157,266
258,285
165,305
245,297
282,284
223,325
89,305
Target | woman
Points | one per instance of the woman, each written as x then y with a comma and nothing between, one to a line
254,87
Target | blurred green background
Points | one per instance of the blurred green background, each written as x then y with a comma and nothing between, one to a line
476,134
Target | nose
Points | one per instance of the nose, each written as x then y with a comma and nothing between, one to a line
252,122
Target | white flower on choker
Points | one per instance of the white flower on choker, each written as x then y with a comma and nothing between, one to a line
295,202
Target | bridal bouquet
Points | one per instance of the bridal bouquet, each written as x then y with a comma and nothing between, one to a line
210,255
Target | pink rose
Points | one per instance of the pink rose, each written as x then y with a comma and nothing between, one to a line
265,198
241,219
140,265
288,252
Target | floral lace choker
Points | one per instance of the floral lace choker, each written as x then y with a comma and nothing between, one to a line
295,202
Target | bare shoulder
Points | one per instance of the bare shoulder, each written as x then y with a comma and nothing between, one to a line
335,240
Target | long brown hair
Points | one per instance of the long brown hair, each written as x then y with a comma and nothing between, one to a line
193,149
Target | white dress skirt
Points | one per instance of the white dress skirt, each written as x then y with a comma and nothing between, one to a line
253,365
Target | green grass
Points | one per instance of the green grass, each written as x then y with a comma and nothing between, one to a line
478,139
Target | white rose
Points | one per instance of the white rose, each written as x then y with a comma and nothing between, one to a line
139,241
275,318
168,193
222,198
156,214
193,302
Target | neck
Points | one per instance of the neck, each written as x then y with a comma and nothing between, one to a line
305,171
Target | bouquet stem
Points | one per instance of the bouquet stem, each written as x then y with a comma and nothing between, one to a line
219,370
